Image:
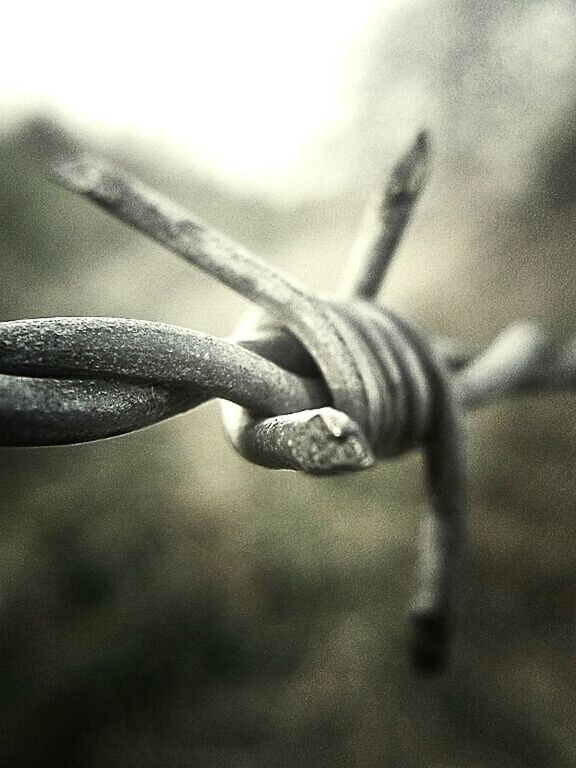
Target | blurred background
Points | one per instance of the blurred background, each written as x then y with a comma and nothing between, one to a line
163,603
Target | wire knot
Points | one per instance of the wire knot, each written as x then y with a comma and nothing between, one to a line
395,370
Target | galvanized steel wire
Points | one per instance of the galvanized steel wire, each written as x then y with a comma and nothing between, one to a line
318,385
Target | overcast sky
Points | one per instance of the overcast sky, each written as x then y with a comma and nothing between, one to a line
246,88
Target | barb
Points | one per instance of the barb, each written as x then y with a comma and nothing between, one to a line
523,359
386,221
318,441
317,385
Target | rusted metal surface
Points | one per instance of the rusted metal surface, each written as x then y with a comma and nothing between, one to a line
317,385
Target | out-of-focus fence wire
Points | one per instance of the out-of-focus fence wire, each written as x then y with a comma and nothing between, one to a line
321,385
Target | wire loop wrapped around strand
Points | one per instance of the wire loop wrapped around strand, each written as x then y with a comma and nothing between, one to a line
408,401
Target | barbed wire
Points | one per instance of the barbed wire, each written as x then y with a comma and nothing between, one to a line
320,385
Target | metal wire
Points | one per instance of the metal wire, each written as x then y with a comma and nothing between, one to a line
317,385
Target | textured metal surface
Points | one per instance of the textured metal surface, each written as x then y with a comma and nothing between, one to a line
317,385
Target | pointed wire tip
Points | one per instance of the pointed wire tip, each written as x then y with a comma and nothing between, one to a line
76,172
410,174
422,142
429,642
44,138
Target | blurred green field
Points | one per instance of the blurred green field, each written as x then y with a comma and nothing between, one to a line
163,603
